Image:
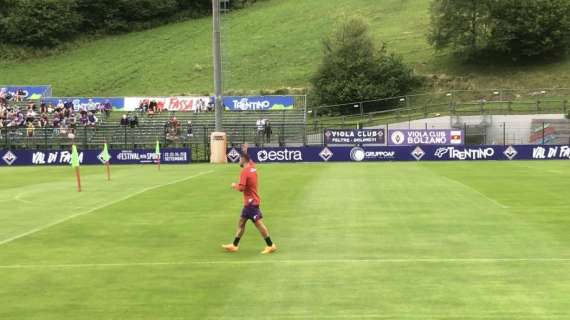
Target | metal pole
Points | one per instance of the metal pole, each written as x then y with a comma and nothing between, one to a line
504,133
217,50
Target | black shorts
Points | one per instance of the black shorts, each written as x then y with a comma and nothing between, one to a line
251,212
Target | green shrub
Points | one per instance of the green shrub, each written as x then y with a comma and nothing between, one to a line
355,69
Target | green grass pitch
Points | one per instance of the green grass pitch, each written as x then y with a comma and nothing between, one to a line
479,240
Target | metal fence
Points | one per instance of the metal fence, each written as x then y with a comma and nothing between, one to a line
479,130
454,102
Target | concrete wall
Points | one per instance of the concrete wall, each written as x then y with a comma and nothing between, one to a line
516,130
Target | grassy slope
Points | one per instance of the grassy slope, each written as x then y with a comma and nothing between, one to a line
327,219
273,44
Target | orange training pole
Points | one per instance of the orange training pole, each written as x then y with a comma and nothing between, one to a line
108,166
78,176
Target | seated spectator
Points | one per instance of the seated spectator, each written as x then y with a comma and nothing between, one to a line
30,129
91,106
71,123
30,116
60,105
173,123
124,120
83,119
43,120
92,119
56,123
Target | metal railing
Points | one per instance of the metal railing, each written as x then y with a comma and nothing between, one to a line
453,102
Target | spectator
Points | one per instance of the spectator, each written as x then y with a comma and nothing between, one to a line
83,119
124,120
151,108
20,95
189,131
91,106
211,104
92,119
43,107
134,121
71,124
108,107
30,129
260,126
59,105
43,120
172,129
268,131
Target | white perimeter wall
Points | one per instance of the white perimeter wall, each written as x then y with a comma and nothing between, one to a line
518,126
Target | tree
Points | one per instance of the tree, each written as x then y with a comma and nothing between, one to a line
460,24
354,68
41,23
530,28
514,29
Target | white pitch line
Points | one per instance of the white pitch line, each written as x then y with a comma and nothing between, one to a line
281,261
497,203
62,220
19,199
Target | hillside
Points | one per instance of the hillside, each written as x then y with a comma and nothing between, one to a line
276,43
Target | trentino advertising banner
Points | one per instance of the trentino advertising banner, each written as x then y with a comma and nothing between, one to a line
259,103
404,153
89,157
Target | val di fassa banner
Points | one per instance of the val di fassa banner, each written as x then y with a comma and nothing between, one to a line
404,153
259,103
183,103
89,157
29,91
89,104
354,136
425,137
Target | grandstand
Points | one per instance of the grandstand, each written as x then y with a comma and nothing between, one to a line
475,113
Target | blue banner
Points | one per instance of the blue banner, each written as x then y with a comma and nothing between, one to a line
409,137
91,157
259,103
29,92
354,136
89,104
404,153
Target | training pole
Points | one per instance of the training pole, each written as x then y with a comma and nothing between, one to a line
78,178
108,166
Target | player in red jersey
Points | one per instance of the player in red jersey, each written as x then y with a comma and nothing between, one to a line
248,185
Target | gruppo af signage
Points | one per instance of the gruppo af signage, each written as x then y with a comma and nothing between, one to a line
425,137
404,153
354,136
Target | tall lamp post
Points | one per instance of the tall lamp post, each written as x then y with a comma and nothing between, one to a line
218,139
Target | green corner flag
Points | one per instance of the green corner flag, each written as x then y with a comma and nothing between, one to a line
105,156
157,149
74,157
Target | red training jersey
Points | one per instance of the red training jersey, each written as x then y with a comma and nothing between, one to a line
248,184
